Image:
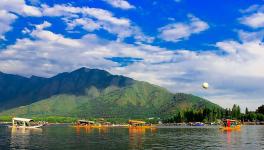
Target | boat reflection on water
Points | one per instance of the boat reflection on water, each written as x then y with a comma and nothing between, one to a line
20,137
228,140
232,137
135,137
84,130
228,137
102,130
89,129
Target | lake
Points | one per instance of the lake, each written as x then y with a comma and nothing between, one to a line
65,137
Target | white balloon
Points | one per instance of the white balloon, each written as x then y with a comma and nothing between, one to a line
205,85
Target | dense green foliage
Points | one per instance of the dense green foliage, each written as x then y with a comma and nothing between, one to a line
201,115
213,114
5,118
247,116
56,119
260,109
258,115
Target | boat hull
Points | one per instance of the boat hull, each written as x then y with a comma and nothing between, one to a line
92,126
26,127
141,127
230,128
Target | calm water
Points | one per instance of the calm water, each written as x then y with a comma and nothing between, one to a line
64,137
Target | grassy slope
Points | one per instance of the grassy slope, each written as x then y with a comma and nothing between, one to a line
139,100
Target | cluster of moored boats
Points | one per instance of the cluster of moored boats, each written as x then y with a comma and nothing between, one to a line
226,125
131,124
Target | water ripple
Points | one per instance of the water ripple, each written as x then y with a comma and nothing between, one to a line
64,137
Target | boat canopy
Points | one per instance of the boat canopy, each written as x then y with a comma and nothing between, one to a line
225,120
22,119
86,122
136,122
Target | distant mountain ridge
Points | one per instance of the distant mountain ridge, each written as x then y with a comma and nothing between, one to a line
18,91
91,93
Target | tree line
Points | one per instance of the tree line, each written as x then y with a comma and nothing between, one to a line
214,114
201,115
257,115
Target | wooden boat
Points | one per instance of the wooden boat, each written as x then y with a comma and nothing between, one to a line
98,126
24,123
229,125
139,124
91,124
84,124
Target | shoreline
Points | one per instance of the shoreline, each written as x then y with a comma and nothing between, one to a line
253,123
160,125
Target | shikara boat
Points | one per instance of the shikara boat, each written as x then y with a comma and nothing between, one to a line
229,125
84,123
24,123
139,124
91,124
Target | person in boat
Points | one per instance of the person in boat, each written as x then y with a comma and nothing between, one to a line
230,123
225,125
233,124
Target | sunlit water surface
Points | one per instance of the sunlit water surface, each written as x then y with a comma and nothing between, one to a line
66,137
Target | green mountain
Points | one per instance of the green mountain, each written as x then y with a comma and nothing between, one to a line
96,93
19,91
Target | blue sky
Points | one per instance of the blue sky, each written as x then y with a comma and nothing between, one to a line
177,44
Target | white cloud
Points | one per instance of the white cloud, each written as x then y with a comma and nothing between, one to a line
6,19
51,37
254,16
104,15
255,20
8,11
57,51
230,47
96,13
31,11
253,9
87,24
92,19
59,10
123,4
43,26
20,7
227,101
250,36
179,31
12,5
91,25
